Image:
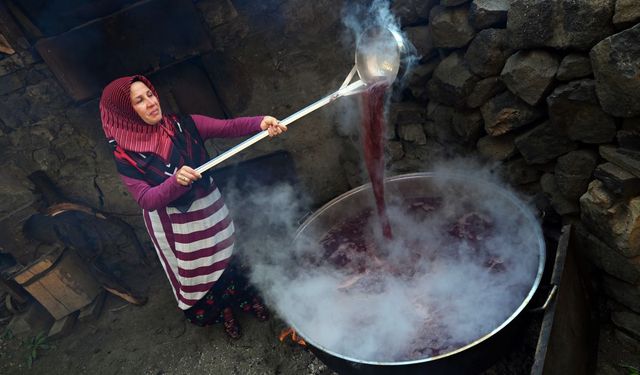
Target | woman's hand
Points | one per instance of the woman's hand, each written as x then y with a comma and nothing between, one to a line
273,126
186,175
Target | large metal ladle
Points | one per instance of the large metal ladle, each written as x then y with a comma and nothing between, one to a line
378,53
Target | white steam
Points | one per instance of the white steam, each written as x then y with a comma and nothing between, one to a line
449,299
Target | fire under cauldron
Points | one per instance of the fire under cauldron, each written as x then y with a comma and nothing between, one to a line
468,335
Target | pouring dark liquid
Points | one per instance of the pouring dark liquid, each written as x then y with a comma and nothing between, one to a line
373,136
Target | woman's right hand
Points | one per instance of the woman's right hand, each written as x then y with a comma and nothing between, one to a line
187,175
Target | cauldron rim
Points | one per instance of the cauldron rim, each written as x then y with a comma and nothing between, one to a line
508,195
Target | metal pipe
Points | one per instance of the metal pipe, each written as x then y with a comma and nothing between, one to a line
351,89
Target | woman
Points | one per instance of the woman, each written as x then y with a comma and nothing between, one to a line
184,213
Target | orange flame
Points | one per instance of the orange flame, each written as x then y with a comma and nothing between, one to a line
294,336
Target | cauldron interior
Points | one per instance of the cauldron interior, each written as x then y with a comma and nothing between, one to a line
409,186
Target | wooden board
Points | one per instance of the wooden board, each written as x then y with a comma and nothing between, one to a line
567,342
63,286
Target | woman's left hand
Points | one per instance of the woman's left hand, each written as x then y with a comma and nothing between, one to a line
273,126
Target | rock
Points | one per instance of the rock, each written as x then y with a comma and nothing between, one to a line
627,320
488,52
562,24
412,133
629,139
407,165
439,131
573,172
506,112
529,74
613,220
411,12
518,172
497,148
10,83
625,293
416,152
468,125
439,113
616,67
418,78
543,143
484,90
618,180
11,64
573,66
627,159
440,128
627,13
407,113
605,257
450,27
14,111
631,124
420,37
394,150
452,82
484,14
560,204
574,108
353,173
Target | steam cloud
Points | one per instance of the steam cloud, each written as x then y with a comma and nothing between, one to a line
451,300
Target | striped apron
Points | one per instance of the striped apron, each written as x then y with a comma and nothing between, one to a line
194,247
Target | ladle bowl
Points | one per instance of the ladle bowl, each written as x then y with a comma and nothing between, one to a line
378,54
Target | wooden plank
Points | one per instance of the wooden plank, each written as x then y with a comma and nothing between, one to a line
73,283
36,268
64,287
567,342
42,294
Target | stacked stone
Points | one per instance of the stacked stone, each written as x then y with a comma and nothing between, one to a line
551,89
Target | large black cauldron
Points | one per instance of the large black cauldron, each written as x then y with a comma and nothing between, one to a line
471,357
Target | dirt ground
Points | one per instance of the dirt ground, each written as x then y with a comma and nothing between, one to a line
155,339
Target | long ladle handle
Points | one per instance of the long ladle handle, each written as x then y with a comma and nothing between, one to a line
353,88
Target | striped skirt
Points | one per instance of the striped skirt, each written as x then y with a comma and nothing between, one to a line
194,247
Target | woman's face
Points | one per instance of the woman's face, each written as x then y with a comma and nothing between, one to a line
145,103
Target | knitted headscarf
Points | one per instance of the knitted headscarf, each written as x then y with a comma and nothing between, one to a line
121,122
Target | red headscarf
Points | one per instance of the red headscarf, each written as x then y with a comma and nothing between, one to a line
121,122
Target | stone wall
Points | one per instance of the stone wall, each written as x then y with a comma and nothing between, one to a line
550,90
